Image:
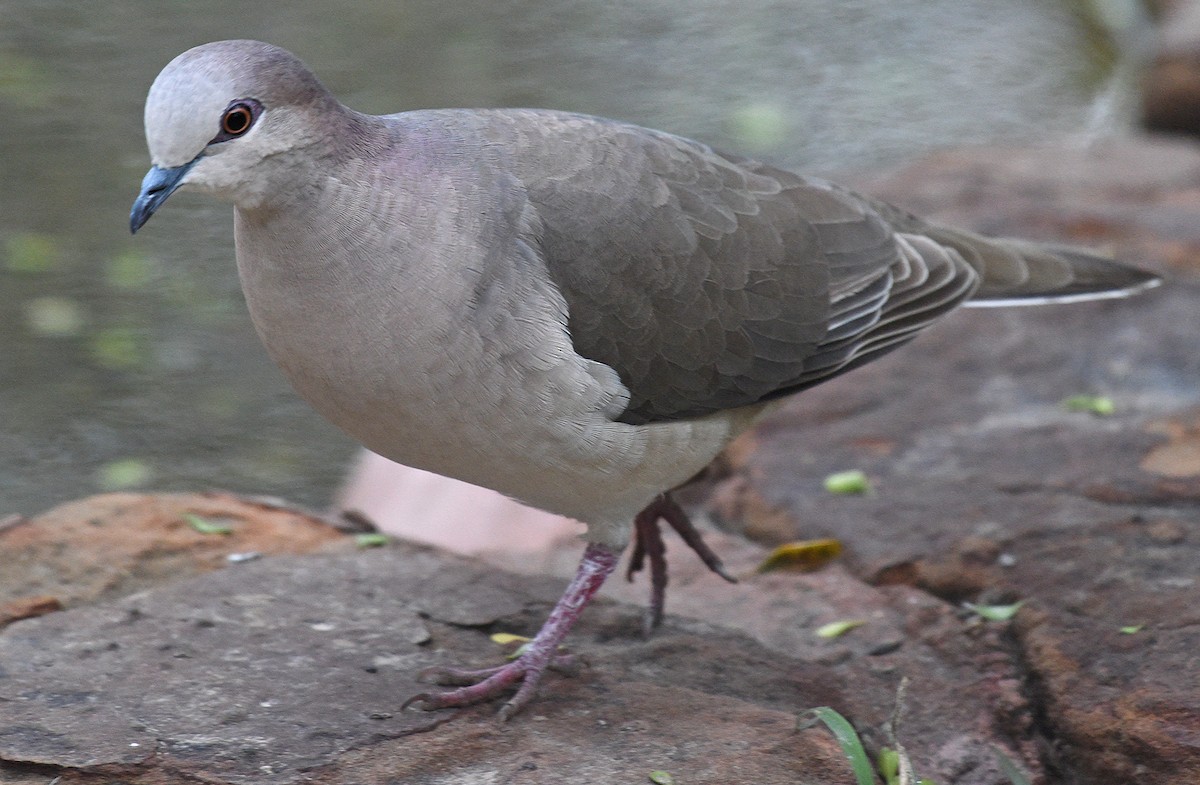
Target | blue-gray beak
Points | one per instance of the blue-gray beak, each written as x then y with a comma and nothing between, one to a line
157,185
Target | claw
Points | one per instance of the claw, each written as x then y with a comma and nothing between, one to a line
674,515
648,544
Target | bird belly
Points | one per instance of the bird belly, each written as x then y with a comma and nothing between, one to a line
504,433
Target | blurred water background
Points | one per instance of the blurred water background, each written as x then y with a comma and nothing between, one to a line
131,363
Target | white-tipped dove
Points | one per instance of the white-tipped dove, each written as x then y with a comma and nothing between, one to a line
576,312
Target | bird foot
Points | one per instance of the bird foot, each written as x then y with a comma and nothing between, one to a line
648,544
542,653
481,685
477,686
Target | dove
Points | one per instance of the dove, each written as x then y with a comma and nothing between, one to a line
577,312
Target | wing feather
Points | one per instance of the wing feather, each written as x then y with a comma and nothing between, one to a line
710,282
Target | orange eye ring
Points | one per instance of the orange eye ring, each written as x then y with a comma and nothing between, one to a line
237,120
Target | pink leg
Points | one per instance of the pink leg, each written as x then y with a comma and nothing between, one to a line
648,543
597,563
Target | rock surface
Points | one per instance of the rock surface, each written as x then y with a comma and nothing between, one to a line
987,487
292,667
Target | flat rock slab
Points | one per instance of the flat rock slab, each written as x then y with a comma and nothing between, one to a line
293,668
274,672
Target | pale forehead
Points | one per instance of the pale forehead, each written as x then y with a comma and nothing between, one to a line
184,107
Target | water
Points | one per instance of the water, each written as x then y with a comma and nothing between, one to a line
130,362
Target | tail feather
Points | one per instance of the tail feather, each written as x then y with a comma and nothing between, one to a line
1020,272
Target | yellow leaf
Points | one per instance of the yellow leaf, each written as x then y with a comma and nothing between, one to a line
803,555
505,638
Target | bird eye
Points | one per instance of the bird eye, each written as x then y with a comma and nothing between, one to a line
237,119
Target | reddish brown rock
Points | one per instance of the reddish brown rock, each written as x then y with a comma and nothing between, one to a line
108,546
28,608
1179,455
1114,700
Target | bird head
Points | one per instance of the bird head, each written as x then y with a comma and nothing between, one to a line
221,118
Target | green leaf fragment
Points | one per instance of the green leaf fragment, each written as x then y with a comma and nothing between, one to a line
508,639
888,764
835,629
516,653
1132,629
660,777
1095,404
848,739
995,612
1014,774
371,540
205,526
848,482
